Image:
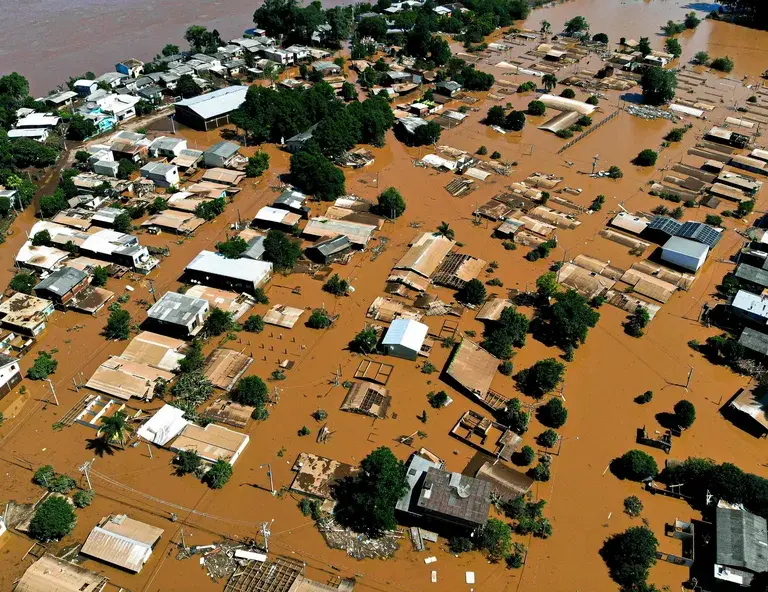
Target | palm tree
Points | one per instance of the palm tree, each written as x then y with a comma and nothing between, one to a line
546,27
445,230
549,81
115,428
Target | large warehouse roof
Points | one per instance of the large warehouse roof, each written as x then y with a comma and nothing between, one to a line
216,103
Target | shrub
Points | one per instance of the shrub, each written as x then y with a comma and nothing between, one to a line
428,367
251,391
118,324
713,220
646,157
310,507
592,100
482,151
701,58
614,172
365,342
723,64
304,431
53,519
526,455
336,286
257,164
637,321
635,465
496,155
23,282
254,324
537,108
187,461
495,537
675,134
506,368
646,397
218,475
62,484
320,415
526,87
459,544
83,498
515,417
568,93
319,319
564,133
633,506
553,414
260,296
547,438
584,121
43,366
438,399
685,413
232,248
44,476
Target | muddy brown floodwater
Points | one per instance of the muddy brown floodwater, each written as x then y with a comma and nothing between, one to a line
584,500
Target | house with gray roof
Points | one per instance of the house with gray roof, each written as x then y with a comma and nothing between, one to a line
178,314
62,285
299,141
741,545
755,277
220,154
211,110
685,253
448,88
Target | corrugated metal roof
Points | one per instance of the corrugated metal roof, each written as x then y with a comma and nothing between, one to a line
406,333
250,270
741,539
216,103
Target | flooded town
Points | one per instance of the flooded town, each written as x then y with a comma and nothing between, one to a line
402,296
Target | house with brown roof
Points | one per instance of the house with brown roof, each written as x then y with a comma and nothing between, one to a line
52,573
122,541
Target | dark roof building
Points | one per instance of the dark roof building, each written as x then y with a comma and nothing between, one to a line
741,549
665,226
752,275
328,250
700,232
62,285
210,110
754,341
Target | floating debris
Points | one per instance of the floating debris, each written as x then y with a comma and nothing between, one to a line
647,112
358,546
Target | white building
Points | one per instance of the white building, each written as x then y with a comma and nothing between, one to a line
123,107
179,314
168,147
164,175
241,275
404,338
10,375
684,253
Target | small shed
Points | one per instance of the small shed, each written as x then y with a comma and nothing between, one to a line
405,338
224,367
367,399
685,253
220,154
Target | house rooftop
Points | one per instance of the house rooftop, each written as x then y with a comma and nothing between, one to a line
406,333
453,495
316,475
62,280
753,275
223,149
750,303
250,270
224,367
741,542
686,246
51,573
472,367
122,541
177,308
212,443
217,102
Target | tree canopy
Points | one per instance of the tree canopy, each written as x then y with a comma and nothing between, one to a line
53,519
629,556
508,332
281,250
541,378
232,248
568,320
316,175
658,85
366,500
390,203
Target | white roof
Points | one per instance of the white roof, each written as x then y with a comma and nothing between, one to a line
217,102
40,257
270,214
114,103
439,162
406,333
38,120
751,303
84,82
27,133
563,104
163,426
686,110
249,270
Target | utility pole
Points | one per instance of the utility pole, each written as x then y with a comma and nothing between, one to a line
53,392
690,375
86,468
265,532
152,289
595,160
269,473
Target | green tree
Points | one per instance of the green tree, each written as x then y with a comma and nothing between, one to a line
445,230
495,537
187,461
100,276
43,366
672,45
515,121
548,438
526,456
576,25
508,332
633,506
123,223
541,378
637,321
217,322
495,116
193,359
217,476
658,85
79,128
187,87
169,50
536,108
44,476
254,324
600,38
83,498
115,428
319,319
685,413
317,176
644,46
569,319
516,417
281,250
53,519
23,282
390,203
366,500
635,465
473,293
646,157
546,285
365,342
251,391
257,164
41,239
629,556
348,91
701,58
722,64
50,205
336,286
549,81
232,248
553,414
118,324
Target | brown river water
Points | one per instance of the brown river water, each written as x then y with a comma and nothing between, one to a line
584,500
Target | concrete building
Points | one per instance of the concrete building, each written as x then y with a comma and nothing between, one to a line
130,67
163,175
750,308
220,154
106,167
168,147
684,253
210,110
10,375
122,542
241,275
405,338
62,285
178,314
25,314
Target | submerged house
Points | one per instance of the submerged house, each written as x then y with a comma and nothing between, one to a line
405,338
178,314
741,545
215,270
122,541
210,110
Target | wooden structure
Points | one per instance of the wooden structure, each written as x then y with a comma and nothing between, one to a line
486,435
663,442
367,399
377,372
